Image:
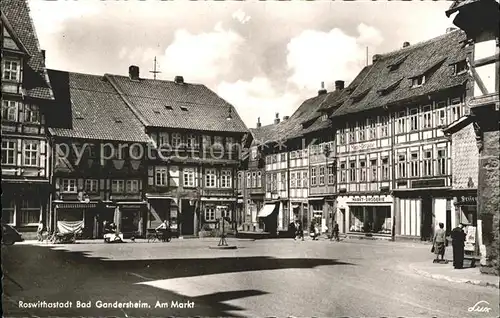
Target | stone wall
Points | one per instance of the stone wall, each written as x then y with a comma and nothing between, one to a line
464,158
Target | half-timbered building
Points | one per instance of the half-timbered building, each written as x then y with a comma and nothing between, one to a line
26,96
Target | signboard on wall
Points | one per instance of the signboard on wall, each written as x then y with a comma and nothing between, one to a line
371,199
470,239
429,183
363,146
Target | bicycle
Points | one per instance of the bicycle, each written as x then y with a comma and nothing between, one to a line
154,235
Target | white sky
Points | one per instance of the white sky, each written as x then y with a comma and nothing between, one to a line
263,57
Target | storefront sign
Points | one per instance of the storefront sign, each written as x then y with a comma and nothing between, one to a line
369,199
363,146
430,183
467,200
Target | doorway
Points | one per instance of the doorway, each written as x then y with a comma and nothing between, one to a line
426,221
187,218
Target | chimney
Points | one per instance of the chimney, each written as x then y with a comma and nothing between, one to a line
277,119
406,44
258,122
450,29
376,57
179,80
339,85
286,118
43,54
133,72
322,90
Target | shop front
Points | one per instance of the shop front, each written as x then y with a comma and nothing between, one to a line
369,215
216,208
131,218
268,217
73,216
465,203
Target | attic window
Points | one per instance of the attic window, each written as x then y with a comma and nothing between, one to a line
361,95
324,117
117,120
390,88
156,111
168,107
395,65
78,115
460,67
418,81
184,108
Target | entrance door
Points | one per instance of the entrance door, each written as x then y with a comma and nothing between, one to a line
426,222
343,218
89,223
187,218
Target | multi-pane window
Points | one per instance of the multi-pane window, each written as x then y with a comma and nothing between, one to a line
8,152
161,176
68,185
372,130
268,160
9,110
254,179
331,174
31,153
8,211
402,166
385,168
414,164
30,211
343,172
373,170
283,157
117,186
249,180
274,158
427,163
362,174
31,113
292,180
91,185
253,153
460,67
11,70
361,132
225,179
210,177
305,179
313,177
163,139
210,213
132,186
192,141
352,134
259,179
321,175
283,181
384,126
455,112
352,171
219,141
441,161
299,180
229,142
342,136
427,117
418,81
441,114
268,183
188,177
275,182
401,122
207,141
413,119
176,140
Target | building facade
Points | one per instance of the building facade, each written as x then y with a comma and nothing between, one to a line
26,98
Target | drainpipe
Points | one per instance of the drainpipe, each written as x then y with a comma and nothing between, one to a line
392,122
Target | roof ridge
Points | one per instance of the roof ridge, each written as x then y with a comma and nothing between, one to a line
158,80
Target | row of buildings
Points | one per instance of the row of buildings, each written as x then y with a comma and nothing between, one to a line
80,149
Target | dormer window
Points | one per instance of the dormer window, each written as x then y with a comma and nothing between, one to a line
169,107
183,108
11,69
418,81
460,67
117,120
324,117
397,63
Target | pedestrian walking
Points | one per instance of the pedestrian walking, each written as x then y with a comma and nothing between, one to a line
439,243
458,243
299,233
335,235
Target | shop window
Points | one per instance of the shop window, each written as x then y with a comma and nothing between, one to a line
321,175
352,171
117,186
259,179
31,113
402,166
427,163
8,211
9,153
343,172
385,169
370,219
161,176
91,185
188,175
132,186
9,110
362,175
441,161
31,153
374,170
413,119
427,117
68,185
414,165
11,70
225,179
30,211
401,122
305,179
210,213
313,177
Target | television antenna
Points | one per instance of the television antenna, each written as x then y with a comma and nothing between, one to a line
154,71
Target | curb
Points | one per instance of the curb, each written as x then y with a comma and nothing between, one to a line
455,280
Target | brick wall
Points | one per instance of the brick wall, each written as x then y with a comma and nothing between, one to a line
464,158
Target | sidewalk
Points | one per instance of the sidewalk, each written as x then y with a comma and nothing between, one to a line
447,272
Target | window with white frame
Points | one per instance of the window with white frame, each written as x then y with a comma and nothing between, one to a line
343,172
8,211
342,138
210,213
441,114
31,153
402,166
298,183
427,163
91,185
372,122
132,186
161,175
9,154
210,178
441,162
229,142
259,179
361,131
176,139
117,186
460,67
292,180
385,169
321,175
249,180
268,183
352,134
9,110
427,117
225,178
455,112
362,172
352,171
11,70
192,141
206,141
418,81
274,182
414,165
163,139
401,122
313,177
31,113
331,174
188,175
305,179
283,181
68,185
373,170
413,119
219,141
274,159
30,211
254,179
283,157
253,153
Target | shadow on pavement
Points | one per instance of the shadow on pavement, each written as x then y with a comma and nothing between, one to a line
59,275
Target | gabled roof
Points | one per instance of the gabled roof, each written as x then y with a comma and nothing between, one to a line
36,81
16,44
429,56
269,133
167,104
88,107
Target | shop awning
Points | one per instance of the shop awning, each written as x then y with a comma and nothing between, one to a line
316,198
266,210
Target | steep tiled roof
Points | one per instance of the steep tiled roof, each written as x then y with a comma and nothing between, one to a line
92,109
170,105
36,81
457,4
382,86
268,133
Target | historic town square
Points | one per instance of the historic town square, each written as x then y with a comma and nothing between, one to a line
250,159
